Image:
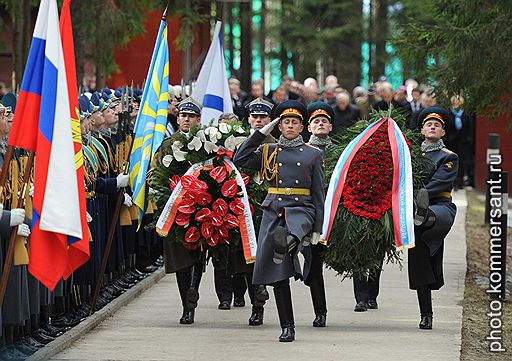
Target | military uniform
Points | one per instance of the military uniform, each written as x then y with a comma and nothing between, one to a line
187,264
294,201
315,281
425,263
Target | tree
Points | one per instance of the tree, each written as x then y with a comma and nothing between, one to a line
329,32
464,45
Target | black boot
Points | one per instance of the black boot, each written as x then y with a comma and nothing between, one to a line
426,322
283,296
320,320
188,317
425,301
421,207
256,318
196,272
283,243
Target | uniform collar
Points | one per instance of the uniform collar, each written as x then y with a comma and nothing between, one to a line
323,142
430,147
287,143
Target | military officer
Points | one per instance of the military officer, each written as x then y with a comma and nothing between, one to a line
187,264
320,116
292,209
434,214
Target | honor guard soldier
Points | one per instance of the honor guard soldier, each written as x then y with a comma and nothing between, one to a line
320,117
434,214
292,209
187,264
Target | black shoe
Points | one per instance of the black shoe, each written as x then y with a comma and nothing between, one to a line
11,353
372,305
256,318
426,322
188,317
29,340
52,330
288,334
42,337
239,302
361,307
261,295
192,298
319,321
224,305
24,348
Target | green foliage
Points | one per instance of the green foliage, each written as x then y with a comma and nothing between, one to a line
319,30
357,244
464,45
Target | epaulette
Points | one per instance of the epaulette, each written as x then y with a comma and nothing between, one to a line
446,150
91,158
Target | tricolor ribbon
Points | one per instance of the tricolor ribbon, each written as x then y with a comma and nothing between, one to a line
402,190
247,231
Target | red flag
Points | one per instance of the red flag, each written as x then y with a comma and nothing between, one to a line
78,249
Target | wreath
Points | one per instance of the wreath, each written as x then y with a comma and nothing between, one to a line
362,232
209,208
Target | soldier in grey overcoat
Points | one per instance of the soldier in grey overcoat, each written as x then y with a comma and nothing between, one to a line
292,209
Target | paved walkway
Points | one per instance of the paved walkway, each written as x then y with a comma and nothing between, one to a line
148,329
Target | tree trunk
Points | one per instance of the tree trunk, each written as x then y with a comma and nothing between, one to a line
381,34
246,45
77,8
230,46
262,40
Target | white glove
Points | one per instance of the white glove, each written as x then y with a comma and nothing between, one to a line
269,127
88,217
1,209
23,230
31,191
127,200
122,180
315,238
17,217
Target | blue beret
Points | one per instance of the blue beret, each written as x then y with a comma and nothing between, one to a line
84,105
98,102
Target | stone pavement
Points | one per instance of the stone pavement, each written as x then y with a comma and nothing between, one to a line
148,329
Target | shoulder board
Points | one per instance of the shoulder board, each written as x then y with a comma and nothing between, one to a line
102,152
312,146
446,150
91,158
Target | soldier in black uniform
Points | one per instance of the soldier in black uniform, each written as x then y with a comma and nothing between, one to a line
187,264
434,214
320,117
292,209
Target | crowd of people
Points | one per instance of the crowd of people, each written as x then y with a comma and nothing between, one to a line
33,316
349,106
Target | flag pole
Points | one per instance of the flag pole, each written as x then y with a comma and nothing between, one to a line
14,232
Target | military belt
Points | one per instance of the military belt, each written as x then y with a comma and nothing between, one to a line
444,195
290,191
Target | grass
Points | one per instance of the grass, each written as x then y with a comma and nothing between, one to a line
475,322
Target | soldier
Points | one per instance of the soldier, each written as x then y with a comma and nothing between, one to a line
187,264
320,117
292,209
434,214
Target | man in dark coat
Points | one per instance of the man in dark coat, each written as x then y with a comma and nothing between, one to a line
293,207
345,113
434,214
187,264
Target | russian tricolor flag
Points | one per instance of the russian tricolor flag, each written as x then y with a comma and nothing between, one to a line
42,123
